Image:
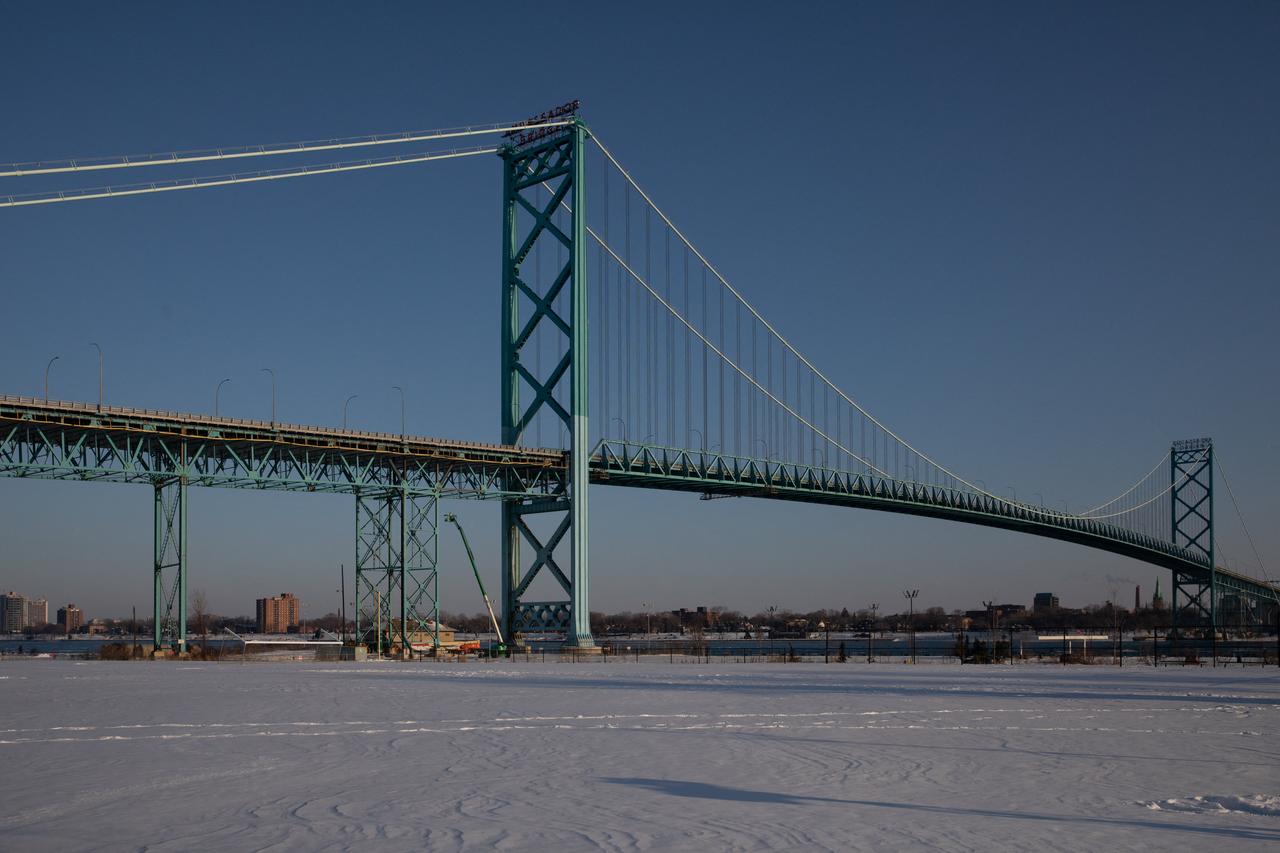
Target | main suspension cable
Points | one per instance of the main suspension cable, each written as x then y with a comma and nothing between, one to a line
1261,567
242,178
14,170
742,300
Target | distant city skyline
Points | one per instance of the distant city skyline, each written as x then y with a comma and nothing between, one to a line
1038,241
274,608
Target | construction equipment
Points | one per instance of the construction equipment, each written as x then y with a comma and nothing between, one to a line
501,647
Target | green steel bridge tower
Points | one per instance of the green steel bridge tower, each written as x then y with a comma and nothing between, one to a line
674,351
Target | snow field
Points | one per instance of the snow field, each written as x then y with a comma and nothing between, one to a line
626,756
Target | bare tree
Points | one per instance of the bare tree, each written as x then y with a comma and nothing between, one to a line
200,612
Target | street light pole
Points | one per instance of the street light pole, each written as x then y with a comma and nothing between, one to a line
99,349
991,615
911,618
344,411
401,390
871,633
826,649
273,395
216,391
46,377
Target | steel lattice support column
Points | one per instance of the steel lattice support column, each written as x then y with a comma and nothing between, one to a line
1191,490
169,604
554,163
397,598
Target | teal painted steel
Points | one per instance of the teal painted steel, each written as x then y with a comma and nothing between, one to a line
1194,598
75,442
554,163
72,441
169,606
579,406
621,463
397,553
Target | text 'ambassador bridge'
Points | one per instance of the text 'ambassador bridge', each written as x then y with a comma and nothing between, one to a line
627,360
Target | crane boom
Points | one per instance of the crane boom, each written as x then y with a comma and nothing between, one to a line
453,519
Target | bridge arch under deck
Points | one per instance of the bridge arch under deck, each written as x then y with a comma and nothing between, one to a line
619,464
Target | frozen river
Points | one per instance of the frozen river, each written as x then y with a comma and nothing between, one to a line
636,756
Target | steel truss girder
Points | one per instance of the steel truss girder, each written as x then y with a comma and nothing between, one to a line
616,462
397,552
556,163
47,442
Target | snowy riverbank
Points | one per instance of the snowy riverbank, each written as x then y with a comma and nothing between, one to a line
595,756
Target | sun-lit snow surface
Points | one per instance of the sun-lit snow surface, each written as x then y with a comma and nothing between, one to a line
626,756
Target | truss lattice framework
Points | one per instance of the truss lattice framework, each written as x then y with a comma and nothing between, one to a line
397,600
69,441
529,219
169,603
1191,489
393,477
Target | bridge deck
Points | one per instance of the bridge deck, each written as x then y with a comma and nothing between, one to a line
79,441
622,464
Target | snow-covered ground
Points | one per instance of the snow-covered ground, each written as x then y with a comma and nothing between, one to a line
636,756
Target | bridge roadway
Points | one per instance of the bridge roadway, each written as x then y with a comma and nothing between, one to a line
81,442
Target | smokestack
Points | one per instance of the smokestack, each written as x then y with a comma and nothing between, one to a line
1137,598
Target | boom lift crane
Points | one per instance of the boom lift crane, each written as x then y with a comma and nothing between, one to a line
501,647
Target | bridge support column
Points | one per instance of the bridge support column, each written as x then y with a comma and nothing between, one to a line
169,586
540,176
397,595
1194,597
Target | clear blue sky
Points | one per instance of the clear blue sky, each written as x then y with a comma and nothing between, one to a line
1040,240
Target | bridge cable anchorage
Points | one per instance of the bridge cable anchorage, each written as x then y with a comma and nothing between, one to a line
15,170
828,383
242,178
1261,567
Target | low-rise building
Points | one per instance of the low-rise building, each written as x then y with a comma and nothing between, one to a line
1045,601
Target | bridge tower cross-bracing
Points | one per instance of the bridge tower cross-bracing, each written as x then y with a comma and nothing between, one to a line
542,172
397,599
1191,505
169,593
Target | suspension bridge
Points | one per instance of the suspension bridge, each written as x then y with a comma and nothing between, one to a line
613,325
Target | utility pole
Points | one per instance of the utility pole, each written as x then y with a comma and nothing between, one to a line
910,595
377,597
826,652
